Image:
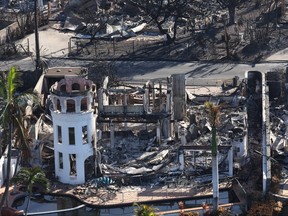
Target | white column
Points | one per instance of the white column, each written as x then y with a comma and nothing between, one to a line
78,104
172,132
230,159
153,96
181,161
89,101
56,161
146,100
266,148
65,172
176,131
158,132
112,135
100,100
183,137
63,105
80,170
215,179
99,135
125,100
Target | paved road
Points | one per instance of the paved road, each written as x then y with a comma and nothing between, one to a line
54,50
149,70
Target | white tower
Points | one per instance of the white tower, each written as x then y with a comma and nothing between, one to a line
74,118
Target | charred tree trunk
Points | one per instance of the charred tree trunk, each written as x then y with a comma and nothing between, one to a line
231,11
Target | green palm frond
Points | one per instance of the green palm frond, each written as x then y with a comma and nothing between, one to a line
22,138
214,113
214,116
144,210
23,98
4,117
12,108
31,177
13,82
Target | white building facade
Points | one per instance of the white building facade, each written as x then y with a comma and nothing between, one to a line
74,123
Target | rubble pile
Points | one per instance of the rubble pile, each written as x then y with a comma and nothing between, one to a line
133,158
279,130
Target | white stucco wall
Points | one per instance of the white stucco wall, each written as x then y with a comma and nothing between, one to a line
72,107
82,151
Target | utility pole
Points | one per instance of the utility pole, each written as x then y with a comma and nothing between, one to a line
37,61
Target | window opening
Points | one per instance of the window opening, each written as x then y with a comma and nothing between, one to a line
75,87
73,170
60,160
59,129
84,104
84,134
71,135
63,88
58,105
70,105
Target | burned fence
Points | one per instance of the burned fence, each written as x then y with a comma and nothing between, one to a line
114,48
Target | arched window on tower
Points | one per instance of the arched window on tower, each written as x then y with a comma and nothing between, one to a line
70,105
63,88
93,88
58,105
75,87
84,104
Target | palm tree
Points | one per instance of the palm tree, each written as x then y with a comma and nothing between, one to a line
144,210
214,114
12,106
31,177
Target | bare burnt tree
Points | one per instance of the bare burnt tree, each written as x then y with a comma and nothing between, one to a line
95,20
22,13
160,12
12,33
230,5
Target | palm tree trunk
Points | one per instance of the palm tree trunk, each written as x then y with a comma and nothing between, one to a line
5,195
215,172
28,204
215,177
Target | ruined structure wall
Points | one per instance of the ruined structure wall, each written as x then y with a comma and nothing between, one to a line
179,96
240,148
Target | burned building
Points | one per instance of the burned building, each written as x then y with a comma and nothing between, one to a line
150,130
132,120
158,131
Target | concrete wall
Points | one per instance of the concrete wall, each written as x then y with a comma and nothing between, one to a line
179,96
